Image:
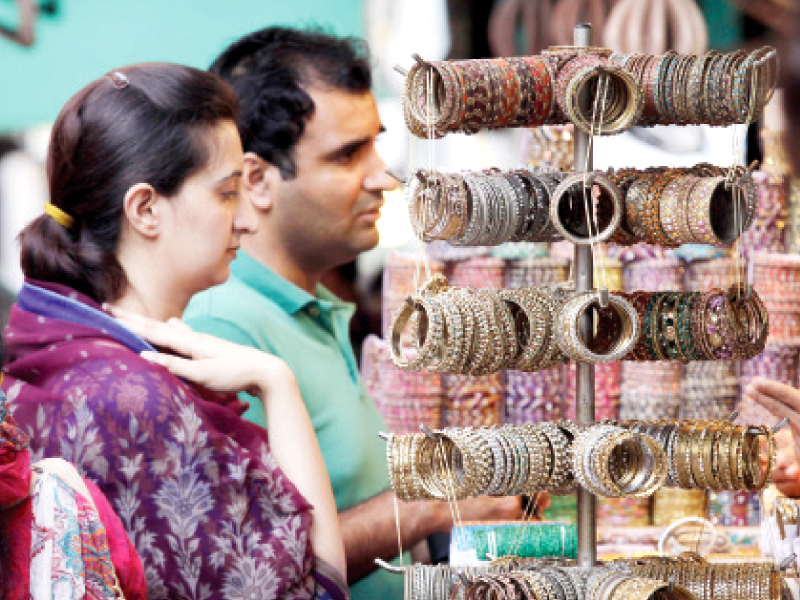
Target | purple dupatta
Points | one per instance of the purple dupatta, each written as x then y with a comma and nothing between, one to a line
209,511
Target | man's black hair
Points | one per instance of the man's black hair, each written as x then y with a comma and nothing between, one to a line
271,71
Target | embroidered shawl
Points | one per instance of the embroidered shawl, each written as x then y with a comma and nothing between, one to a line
195,486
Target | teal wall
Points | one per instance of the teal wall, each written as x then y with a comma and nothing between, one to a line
89,37
724,24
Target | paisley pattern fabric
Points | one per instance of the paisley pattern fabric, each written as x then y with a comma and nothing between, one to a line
70,558
195,486
99,577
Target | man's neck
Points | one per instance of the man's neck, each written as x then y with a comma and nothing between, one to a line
282,263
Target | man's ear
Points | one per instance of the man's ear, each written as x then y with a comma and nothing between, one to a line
260,181
141,208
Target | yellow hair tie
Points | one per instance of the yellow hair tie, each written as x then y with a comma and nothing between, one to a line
59,216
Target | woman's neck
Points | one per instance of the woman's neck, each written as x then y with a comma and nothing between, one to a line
148,290
150,303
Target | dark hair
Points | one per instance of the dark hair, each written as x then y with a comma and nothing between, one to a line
143,123
271,69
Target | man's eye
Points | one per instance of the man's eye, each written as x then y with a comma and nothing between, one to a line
347,156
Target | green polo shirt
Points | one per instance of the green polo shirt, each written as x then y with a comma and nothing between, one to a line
256,307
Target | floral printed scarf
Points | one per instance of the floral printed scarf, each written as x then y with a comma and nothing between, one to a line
70,559
196,488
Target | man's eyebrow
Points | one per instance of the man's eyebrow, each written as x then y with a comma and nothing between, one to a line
233,175
352,147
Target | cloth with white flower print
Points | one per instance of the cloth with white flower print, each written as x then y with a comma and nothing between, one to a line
199,494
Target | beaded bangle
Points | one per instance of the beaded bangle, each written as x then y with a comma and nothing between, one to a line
430,326
525,76
685,67
548,182
650,327
697,78
636,206
652,218
568,337
531,326
668,327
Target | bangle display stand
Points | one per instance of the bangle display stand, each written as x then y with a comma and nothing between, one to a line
477,473
584,384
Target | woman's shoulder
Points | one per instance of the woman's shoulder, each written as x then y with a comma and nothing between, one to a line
94,374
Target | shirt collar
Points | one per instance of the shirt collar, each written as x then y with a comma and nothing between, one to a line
283,292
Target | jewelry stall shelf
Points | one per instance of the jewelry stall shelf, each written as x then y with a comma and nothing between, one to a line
462,330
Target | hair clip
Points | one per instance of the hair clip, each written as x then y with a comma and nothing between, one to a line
119,80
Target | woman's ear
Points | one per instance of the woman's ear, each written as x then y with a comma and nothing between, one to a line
260,181
141,209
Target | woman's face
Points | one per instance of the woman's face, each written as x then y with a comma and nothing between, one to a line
208,216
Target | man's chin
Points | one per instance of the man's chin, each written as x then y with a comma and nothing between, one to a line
368,240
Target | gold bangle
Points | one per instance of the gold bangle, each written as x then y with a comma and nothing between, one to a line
430,320
625,93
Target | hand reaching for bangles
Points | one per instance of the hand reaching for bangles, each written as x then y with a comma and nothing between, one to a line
783,401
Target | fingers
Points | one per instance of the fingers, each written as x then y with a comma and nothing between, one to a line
785,394
180,325
790,488
174,334
790,472
774,404
182,367
543,502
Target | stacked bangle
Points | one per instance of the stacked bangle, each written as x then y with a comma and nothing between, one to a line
668,207
622,328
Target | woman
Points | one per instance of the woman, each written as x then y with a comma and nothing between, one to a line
145,211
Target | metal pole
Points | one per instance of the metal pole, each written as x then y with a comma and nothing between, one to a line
584,385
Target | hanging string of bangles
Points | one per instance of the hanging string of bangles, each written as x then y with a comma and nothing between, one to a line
688,577
703,204
642,89
612,459
480,331
460,330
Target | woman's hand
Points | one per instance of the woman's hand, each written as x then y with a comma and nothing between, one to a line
211,362
223,366
780,399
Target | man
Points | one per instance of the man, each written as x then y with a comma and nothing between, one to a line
308,125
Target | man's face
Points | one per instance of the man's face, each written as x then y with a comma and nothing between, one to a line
326,215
